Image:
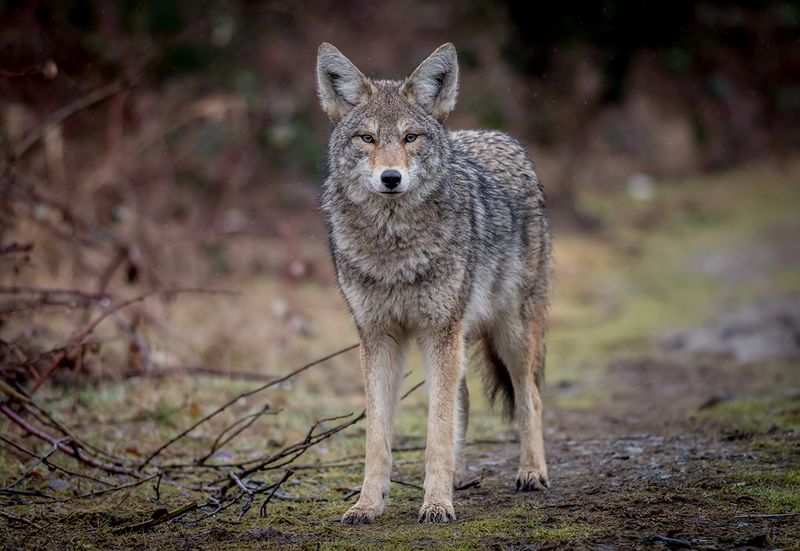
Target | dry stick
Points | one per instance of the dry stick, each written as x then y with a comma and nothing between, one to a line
205,371
60,115
49,419
21,357
357,490
15,248
157,487
95,493
51,464
292,451
42,459
324,466
16,518
35,493
245,423
239,397
220,506
284,497
263,510
777,515
73,451
166,517
296,450
29,290
82,335
249,502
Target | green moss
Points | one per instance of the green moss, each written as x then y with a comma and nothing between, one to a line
757,415
774,491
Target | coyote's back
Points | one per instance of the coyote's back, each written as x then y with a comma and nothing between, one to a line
441,237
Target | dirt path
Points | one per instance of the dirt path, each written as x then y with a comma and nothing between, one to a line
659,459
674,450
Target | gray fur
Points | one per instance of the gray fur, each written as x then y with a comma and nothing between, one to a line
466,244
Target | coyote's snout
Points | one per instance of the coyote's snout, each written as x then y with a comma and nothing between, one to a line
439,237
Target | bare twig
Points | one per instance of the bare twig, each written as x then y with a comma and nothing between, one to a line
14,248
61,114
243,424
205,371
83,334
23,520
248,492
74,451
672,543
357,490
768,516
235,399
286,475
290,453
97,493
166,517
218,505
42,459
51,464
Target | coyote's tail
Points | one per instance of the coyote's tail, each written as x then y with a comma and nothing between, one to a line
496,379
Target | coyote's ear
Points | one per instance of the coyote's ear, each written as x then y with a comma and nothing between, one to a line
341,86
434,84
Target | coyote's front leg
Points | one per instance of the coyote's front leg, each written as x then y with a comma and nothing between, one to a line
443,356
381,359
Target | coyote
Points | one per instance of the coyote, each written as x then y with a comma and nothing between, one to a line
439,236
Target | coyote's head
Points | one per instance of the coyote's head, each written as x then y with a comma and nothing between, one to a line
388,136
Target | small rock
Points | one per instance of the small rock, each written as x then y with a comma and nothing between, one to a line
59,485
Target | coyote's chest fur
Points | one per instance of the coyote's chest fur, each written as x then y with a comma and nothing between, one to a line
400,267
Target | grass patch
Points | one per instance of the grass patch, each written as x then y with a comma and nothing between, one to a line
756,415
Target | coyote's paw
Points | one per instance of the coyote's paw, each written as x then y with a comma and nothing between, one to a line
530,480
360,514
437,512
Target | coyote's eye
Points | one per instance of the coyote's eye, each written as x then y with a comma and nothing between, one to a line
410,138
367,138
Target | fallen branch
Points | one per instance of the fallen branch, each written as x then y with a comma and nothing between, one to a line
42,459
159,371
247,491
244,422
241,396
290,453
16,518
73,451
83,334
15,248
767,516
60,115
161,519
357,490
672,543
286,475
93,494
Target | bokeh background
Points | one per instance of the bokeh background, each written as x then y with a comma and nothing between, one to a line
177,148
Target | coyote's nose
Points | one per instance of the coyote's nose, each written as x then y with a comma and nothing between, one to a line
391,178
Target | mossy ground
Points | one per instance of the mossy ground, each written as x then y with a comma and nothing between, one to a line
632,453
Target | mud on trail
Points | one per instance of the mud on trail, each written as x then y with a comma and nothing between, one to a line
671,405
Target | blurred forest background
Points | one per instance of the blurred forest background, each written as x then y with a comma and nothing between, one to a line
202,132
160,164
